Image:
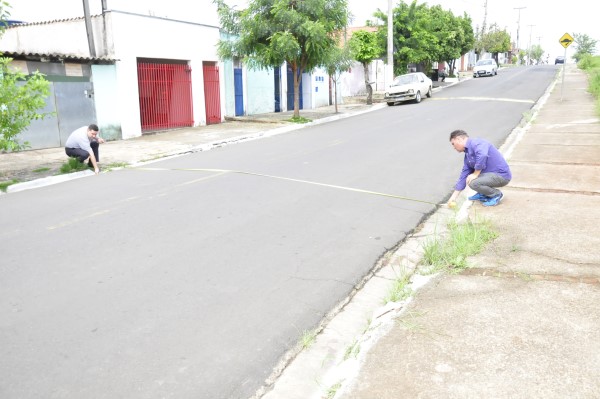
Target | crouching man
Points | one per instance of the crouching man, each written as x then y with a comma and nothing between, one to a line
84,144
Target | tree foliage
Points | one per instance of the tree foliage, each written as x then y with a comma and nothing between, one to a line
271,32
583,45
20,97
494,41
365,47
536,53
424,34
338,60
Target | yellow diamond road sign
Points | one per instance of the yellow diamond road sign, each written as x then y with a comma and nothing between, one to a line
565,40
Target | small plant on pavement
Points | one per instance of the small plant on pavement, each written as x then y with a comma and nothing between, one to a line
399,290
4,185
73,165
299,119
332,391
308,338
352,350
462,241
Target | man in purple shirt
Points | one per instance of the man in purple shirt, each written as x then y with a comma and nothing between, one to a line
484,169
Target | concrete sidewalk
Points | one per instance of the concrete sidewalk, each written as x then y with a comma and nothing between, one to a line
524,322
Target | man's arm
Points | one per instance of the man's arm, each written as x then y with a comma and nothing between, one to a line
94,163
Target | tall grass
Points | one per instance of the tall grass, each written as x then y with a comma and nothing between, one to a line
462,241
591,64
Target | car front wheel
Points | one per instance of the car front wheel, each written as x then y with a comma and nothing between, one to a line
429,92
390,103
418,97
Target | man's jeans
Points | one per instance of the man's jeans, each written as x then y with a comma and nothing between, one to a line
486,182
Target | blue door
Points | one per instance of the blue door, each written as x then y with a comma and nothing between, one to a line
290,87
277,71
239,91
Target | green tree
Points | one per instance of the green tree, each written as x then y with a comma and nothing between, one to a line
425,34
365,47
338,60
495,41
583,45
20,97
271,32
536,53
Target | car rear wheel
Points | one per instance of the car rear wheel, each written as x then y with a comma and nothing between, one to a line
418,97
390,103
429,92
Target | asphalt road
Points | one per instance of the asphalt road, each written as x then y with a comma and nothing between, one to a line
192,284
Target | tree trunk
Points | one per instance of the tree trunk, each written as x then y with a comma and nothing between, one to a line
368,85
297,79
335,94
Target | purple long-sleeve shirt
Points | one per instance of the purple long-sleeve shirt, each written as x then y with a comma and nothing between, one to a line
481,155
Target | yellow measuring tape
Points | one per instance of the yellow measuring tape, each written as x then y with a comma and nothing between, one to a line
358,190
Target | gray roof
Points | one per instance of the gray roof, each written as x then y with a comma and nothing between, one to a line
57,57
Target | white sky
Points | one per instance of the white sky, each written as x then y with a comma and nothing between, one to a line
550,21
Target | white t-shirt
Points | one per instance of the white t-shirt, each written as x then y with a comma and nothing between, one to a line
79,139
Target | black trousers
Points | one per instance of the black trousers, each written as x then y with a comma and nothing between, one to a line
82,155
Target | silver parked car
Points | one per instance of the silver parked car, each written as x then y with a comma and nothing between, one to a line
412,86
485,68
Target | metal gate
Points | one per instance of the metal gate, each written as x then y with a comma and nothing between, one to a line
165,95
239,91
212,95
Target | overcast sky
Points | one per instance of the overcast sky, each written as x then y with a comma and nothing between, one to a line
542,21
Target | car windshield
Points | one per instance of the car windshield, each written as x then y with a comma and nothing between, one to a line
484,62
405,79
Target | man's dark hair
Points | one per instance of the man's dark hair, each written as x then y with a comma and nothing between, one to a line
93,127
458,133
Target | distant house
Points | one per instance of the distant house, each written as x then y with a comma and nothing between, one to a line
135,74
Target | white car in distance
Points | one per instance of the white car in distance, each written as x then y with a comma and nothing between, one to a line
408,87
485,68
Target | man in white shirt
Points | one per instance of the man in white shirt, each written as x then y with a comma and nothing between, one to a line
83,144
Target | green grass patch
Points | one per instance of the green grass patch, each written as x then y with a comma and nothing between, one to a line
352,350
299,119
399,290
115,165
332,391
73,165
463,240
41,170
4,185
591,65
308,338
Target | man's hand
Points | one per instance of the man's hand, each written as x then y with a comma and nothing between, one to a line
101,140
96,170
473,176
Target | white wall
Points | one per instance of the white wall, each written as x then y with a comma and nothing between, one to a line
136,37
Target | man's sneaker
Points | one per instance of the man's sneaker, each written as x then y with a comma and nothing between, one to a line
495,200
479,197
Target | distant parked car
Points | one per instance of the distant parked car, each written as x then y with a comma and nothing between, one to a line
485,68
559,60
411,86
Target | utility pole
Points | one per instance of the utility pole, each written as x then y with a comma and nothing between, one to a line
518,27
390,46
529,47
89,29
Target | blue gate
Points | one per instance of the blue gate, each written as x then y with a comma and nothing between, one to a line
290,87
239,91
277,89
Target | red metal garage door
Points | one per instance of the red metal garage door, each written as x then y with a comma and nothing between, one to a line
165,95
211,93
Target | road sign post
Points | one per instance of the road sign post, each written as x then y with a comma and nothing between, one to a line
565,41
